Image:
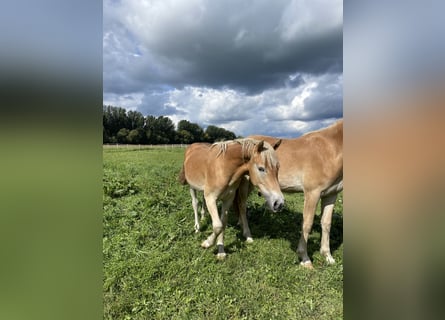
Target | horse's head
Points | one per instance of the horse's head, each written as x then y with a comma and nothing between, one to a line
263,171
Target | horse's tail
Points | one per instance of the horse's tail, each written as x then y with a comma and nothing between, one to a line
182,180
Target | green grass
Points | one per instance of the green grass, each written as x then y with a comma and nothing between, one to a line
154,267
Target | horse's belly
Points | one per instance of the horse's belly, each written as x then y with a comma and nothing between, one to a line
333,189
290,185
291,189
196,184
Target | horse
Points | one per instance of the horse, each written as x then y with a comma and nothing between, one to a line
203,148
312,164
218,170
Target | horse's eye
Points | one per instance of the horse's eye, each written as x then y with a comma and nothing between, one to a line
261,169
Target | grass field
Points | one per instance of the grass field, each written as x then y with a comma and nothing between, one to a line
154,267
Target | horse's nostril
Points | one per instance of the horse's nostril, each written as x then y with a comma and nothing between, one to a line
278,205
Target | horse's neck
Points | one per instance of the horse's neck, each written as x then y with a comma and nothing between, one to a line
239,160
242,170
235,151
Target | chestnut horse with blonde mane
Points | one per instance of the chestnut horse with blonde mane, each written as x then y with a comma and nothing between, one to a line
313,164
217,170
202,147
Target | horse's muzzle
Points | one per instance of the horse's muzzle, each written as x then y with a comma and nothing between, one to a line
278,205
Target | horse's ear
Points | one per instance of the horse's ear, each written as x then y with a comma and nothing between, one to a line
260,146
277,144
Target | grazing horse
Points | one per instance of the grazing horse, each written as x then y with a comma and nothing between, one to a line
313,164
218,169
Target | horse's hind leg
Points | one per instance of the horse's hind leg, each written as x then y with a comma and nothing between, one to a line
240,205
310,204
224,214
195,208
327,207
203,211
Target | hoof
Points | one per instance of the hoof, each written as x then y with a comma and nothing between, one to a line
221,256
330,260
249,240
205,244
307,265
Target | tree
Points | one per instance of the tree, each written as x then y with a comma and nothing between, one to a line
185,137
122,135
213,134
160,130
165,130
131,127
189,132
135,120
149,129
135,136
114,119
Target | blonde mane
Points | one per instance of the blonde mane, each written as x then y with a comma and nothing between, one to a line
248,148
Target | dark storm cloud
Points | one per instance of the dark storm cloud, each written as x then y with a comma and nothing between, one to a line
247,58
250,45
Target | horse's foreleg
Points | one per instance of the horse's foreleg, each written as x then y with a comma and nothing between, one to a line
327,207
195,208
216,221
310,205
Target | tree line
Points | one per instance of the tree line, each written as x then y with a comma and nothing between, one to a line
122,126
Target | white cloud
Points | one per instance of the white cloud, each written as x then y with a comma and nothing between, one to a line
211,106
289,110
271,67
129,101
318,97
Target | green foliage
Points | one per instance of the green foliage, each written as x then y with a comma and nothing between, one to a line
154,267
135,120
122,135
135,136
116,186
213,133
189,132
160,130
120,126
114,119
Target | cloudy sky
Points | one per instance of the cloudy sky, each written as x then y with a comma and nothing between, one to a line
252,67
